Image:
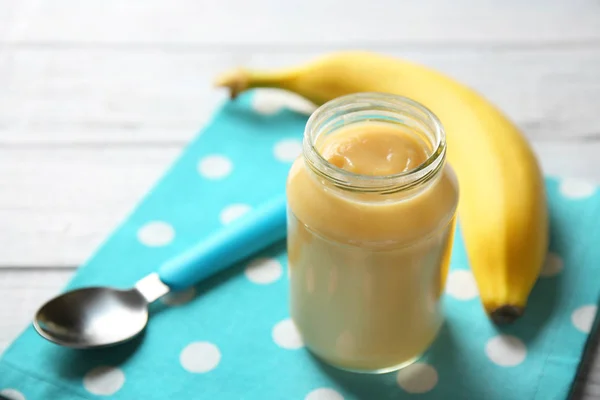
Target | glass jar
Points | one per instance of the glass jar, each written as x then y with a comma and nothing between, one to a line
369,254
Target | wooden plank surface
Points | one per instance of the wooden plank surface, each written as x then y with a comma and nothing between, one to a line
98,98
314,23
23,290
58,205
107,95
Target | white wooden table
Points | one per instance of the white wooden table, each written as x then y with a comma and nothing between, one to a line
97,98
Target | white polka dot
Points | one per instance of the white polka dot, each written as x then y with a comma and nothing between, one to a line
576,189
552,265
12,394
264,270
156,234
233,212
200,357
215,167
288,150
583,318
271,101
104,380
178,298
461,285
286,335
324,394
506,350
417,378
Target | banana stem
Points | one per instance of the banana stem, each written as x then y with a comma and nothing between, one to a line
239,80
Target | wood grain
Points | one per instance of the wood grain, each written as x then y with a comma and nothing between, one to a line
23,291
311,23
58,205
101,96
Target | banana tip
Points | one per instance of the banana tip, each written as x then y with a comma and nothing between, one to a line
506,314
235,80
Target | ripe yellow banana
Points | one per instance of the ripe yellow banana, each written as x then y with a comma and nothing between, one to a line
502,207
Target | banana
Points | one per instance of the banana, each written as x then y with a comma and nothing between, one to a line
502,207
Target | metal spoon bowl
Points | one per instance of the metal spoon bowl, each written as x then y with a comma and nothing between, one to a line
92,317
98,316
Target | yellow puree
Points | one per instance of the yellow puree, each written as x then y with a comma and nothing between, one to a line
367,270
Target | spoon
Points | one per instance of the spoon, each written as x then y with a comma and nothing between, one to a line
95,317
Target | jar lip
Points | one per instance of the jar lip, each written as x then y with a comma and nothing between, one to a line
374,183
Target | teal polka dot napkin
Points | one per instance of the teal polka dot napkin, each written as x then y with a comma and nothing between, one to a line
231,337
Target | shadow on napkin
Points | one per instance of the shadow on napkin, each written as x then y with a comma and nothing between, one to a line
74,363
445,352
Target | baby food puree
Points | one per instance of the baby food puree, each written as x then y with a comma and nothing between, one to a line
370,225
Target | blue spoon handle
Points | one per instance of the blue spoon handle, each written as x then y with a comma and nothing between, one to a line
232,243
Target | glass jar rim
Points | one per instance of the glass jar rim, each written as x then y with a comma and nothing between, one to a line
339,108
